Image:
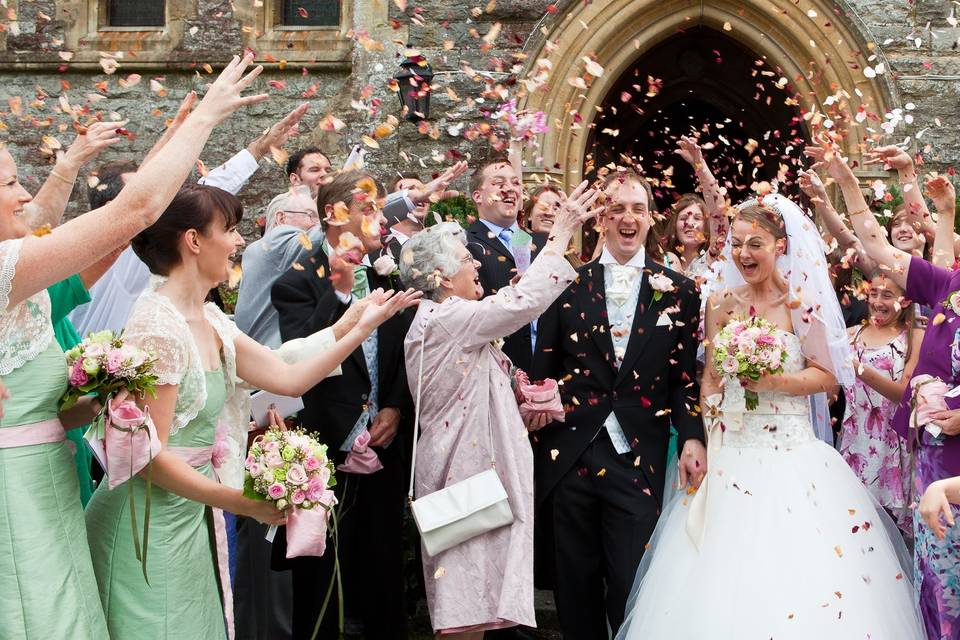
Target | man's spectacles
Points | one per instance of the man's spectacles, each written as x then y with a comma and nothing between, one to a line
310,214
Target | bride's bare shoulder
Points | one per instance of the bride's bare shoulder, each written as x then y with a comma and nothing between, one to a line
726,300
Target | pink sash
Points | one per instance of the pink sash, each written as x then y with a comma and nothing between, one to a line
198,457
28,434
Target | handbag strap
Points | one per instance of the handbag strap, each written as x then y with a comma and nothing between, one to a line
416,419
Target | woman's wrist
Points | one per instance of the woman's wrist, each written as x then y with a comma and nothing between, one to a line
66,168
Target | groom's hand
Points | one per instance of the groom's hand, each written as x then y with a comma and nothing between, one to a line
693,463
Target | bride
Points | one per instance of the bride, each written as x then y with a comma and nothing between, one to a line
781,540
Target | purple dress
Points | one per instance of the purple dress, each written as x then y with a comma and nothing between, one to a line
936,562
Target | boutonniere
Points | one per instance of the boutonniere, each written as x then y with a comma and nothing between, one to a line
660,284
953,302
385,265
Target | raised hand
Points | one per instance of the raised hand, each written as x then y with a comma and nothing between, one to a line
812,186
223,96
383,305
576,208
940,190
689,150
892,156
92,140
826,156
437,189
277,135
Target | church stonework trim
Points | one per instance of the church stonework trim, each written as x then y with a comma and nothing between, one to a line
817,61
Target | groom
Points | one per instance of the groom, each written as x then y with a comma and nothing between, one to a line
622,342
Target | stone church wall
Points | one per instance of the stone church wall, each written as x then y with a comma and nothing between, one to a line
917,40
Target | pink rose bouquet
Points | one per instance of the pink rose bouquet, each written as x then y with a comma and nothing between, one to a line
103,365
122,437
291,468
749,349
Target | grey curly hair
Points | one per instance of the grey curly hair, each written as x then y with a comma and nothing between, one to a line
431,255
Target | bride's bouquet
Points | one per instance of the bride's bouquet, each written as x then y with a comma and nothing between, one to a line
291,468
122,437
749,349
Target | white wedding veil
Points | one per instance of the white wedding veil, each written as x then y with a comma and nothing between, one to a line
814,308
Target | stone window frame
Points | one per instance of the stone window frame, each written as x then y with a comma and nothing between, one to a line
87,33
299,44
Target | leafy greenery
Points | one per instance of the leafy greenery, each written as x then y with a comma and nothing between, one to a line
460,209
229,297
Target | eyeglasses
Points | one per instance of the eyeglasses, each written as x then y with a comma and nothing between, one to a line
310,214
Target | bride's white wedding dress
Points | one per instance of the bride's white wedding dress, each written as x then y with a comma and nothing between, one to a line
792,545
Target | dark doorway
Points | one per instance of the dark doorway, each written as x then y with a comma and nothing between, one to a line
701,82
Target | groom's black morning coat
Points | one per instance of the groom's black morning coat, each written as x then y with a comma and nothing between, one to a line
656,384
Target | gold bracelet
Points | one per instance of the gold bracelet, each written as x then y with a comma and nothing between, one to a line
53,173
861,211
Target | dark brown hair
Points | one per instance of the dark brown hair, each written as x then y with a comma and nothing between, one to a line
109,182
476,179
670,232
195,206
341,187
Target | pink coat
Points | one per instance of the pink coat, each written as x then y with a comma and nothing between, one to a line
466,396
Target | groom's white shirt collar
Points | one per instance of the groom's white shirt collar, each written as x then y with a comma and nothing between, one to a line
639,259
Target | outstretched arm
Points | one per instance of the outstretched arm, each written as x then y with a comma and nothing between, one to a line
944,197
50,202
263,369
87,238
892,260
811,185
716,212
176,476
894,157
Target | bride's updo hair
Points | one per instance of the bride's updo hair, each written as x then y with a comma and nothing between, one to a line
765,218
195,206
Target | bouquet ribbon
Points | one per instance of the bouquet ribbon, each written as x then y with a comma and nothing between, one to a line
199,457
361,459
128,438
307,528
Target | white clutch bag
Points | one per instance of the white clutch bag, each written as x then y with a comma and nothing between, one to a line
463,510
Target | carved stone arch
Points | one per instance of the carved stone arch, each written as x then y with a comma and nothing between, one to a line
817,59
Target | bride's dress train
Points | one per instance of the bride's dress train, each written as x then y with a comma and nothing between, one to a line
792,546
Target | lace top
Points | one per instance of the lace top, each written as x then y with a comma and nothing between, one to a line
25,329
156,326
779,420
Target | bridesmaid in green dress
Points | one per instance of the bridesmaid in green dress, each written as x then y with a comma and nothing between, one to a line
203,361
46,577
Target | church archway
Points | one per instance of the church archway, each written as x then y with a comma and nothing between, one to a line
703,83
819,48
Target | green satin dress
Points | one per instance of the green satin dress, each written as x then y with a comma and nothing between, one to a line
183,598
46,580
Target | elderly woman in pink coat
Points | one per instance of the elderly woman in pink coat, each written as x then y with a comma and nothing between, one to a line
468,407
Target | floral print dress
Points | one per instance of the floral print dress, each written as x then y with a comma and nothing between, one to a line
869,444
